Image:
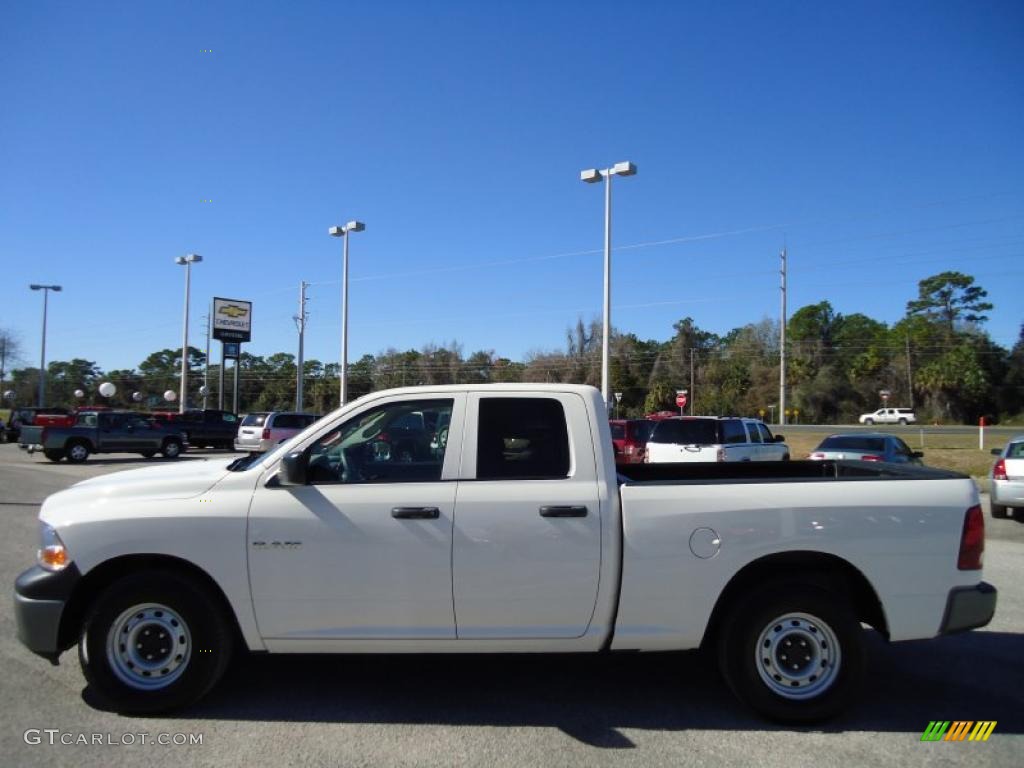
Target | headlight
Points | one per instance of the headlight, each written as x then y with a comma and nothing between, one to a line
52,555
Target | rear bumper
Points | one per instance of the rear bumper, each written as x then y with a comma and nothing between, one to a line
968,608
1009,493
40,598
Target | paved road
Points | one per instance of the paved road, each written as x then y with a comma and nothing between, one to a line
643,710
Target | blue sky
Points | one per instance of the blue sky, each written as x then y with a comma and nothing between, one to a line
881,142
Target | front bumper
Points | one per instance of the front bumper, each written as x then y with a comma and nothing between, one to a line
40,599
968,608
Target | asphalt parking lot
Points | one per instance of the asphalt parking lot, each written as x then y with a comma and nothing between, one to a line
658,709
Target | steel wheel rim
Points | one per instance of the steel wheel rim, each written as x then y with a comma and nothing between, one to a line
798,656
149,646
171,449
77,452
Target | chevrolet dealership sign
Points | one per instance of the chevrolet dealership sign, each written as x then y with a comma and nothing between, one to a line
232,320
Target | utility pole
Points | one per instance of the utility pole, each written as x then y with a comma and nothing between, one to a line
300,323
206,363
782,344
692,391
910,375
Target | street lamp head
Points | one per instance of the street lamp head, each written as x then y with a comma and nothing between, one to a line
193,257
179,260
355,226
56,288
35,287
591,175
336,231
624,169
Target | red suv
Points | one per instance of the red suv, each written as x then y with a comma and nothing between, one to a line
629,436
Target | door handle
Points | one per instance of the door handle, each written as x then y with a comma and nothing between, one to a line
563,511
415,513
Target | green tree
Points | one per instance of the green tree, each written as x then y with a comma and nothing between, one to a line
950,298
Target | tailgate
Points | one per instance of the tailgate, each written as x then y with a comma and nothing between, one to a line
30,436
1014,469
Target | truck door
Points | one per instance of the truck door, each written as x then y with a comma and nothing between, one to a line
527,539
112,435
364,550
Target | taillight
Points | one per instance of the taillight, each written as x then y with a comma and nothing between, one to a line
870,457
720,454
266,433
818,456
999,470
972,540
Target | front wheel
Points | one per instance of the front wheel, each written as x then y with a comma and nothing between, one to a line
171,449
999,511
794,653
153,642
77,453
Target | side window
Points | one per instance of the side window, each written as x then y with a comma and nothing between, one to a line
522,438
766,434
755,436
382,445
229,418
733,432
112,421
902,449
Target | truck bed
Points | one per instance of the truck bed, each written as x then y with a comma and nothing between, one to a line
777,472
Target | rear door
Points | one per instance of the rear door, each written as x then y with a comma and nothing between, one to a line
527,539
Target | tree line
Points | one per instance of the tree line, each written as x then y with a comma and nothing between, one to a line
937,359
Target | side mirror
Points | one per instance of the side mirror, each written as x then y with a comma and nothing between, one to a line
997,451
780,438
293,468
918,454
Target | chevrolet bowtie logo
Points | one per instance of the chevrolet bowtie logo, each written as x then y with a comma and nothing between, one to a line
233,310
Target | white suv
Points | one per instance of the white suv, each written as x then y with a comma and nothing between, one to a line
259,432
713,438
889,416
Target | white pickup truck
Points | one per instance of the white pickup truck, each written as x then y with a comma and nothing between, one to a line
498,524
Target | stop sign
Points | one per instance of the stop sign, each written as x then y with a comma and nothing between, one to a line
681,399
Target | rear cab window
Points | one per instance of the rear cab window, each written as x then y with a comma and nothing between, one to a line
522,439
687,432
733,431
254,419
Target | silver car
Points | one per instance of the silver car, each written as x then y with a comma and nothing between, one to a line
866,446
1007,475
261,431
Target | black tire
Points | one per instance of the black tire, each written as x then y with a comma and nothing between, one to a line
163,604
821,627
869,422
171,449
53,455
999,510
903,422
77,451
148,454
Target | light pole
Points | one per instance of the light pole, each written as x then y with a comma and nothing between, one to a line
342,232
592,176
42,354
188,260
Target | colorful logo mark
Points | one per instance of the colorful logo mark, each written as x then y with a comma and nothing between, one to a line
958,730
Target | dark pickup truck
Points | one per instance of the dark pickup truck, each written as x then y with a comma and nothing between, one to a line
213,428
104,432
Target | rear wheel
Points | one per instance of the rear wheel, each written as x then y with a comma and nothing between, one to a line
794,653
148,454
903,422
53,455
171,449
154,641
999,510
77,452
